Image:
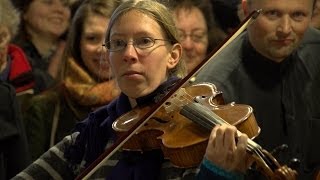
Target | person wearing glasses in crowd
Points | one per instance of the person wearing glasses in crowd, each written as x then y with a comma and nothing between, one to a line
144,54
198,31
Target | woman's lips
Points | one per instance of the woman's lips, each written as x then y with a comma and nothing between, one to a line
132,74
129,73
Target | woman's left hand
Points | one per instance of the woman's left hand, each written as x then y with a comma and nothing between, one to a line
227,149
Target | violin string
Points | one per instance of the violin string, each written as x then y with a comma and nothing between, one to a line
251,146
210,120
258,153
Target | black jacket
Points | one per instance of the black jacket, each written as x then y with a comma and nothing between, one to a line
14,155
284,96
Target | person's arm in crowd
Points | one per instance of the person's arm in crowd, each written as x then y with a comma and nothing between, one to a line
51,164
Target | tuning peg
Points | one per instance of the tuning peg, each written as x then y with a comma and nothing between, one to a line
294,163
279,149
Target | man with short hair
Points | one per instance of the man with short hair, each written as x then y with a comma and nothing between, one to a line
274,67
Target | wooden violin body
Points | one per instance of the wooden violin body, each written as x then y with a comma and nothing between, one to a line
181,140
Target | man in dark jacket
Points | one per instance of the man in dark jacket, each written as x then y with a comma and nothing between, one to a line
274,67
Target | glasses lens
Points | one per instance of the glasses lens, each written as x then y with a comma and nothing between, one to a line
140,43
144,42
116,45
196,37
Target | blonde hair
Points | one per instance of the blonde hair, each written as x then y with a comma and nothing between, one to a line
9,16
160,14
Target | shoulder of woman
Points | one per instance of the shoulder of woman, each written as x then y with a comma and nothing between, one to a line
44,102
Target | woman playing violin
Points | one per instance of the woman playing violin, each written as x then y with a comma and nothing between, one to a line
145,57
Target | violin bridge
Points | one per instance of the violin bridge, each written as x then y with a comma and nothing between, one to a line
177,101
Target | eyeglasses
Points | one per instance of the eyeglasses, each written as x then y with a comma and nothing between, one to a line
197,37
140,43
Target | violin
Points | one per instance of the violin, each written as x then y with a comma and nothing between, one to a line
189,111
182,126
171,130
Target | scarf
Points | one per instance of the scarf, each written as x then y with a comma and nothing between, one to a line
84,89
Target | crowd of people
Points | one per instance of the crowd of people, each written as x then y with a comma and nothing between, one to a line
70,69
85,82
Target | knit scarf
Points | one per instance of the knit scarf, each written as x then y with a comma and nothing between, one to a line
84,89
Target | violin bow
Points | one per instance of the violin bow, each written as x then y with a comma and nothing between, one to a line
96,164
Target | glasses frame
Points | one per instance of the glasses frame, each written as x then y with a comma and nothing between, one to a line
196,37
133,42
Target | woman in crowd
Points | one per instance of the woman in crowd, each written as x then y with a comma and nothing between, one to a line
144,55
198,32
85,84
15,67
43,28
14,71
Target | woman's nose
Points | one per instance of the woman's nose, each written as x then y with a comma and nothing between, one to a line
187,43
130,53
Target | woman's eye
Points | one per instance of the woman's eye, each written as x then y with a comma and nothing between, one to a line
144,41
93,39
197,37
118,42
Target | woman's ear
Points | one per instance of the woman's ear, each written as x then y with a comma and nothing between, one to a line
174,56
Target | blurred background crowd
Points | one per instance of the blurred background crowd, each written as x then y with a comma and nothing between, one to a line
54,69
